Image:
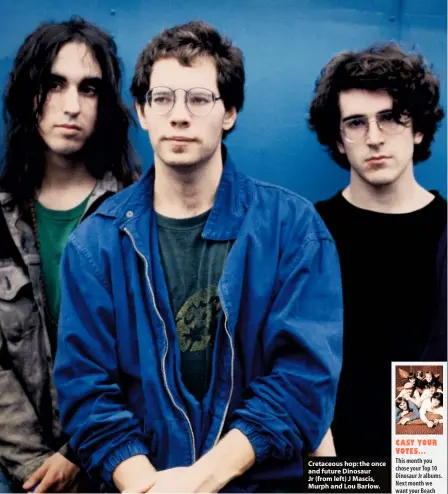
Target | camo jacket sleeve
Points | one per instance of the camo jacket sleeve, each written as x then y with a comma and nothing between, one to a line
22,447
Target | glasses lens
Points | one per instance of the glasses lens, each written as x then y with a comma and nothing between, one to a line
200,101
355,128
389,124
161,99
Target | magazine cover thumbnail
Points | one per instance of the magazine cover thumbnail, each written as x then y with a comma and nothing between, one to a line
419,404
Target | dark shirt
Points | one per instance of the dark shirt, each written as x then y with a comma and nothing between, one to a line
437,344
193,267
390,283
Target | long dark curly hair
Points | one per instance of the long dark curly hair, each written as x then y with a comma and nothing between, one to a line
108,149
406,77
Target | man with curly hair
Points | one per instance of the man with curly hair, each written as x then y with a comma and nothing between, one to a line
376,111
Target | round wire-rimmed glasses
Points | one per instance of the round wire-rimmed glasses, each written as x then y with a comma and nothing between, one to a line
199,101
355,128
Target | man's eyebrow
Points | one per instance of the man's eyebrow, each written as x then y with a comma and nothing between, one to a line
353,116
381,112
59,77
89,80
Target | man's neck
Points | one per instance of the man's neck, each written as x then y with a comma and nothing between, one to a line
186,191
404,195
66,183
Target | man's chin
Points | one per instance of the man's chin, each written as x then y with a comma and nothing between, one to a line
180,163
381,183
381,178
180,159
66,150
67,153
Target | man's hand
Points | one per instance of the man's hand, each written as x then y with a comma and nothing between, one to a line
430,423
179,479
326,447
230,458
136,474
56,474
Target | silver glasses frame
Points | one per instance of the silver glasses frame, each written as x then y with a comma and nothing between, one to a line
403,125
187,91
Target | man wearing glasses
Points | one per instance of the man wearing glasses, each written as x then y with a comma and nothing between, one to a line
201,325
377,111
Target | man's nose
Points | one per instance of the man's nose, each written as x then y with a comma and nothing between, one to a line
179,113
374,134
72,104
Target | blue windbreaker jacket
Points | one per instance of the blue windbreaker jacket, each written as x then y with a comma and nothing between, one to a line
278,347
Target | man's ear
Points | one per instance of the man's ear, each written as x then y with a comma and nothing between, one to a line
418,138
341,146
229,118
141,115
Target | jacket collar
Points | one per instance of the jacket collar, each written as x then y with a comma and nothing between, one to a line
107,184
225,218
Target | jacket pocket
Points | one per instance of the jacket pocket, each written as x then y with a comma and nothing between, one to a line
18,309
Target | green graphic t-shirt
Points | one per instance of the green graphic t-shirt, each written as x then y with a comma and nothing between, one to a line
53,228
193,267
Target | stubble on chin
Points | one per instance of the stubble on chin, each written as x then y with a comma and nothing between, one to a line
180,158
177,161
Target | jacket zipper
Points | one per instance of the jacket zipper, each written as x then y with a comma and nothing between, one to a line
166,345
232,363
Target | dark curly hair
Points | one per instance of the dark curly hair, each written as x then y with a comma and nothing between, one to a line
185,43
406,77
108,149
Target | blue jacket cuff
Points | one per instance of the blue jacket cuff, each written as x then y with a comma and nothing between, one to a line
118,455
258,440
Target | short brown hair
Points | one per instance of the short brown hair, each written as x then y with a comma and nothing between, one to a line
185,43
406,77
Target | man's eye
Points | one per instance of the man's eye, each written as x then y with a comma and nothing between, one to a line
355,123
90,90
386,117
161,100
199,100
55,85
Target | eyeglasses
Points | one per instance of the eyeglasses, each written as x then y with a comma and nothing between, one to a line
356,128
199,101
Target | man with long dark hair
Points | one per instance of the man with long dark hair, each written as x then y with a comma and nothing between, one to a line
377,111
66,150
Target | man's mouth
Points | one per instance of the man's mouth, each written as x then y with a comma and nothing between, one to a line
180,139
377,159
69,127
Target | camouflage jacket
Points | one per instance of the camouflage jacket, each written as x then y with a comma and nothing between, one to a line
29,419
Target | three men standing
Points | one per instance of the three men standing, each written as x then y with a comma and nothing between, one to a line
200,332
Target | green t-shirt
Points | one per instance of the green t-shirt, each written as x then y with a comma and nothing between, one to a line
53,228
193,267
